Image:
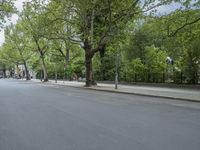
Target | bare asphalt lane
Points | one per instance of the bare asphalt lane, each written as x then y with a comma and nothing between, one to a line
37,116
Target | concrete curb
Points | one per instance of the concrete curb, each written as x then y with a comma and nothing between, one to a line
124,92
147,95
130,93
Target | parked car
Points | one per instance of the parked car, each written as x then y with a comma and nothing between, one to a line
1,76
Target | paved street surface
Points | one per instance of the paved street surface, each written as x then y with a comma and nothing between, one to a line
35,116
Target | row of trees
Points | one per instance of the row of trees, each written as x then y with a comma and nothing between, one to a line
175,35
7,9
88,38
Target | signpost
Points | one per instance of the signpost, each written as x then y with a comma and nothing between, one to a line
65,66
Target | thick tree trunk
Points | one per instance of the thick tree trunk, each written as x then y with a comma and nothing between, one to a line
67,55
88,65
17,71
44,69
27,71
25,65
42,56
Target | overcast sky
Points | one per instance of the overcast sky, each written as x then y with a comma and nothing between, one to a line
19,6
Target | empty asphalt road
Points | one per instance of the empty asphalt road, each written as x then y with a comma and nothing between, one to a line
36,116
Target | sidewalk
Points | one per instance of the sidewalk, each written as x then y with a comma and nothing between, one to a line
162,92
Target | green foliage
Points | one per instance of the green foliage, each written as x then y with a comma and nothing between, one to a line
137,67
7,9
192,62
55,33
133,70
155,59
104,68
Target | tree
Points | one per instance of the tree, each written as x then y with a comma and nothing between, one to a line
155,62
7,9
9,56
17,40
97,23
183,42
34,28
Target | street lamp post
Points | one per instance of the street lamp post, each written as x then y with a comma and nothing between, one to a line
117,53
56,76
64,73
116,69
